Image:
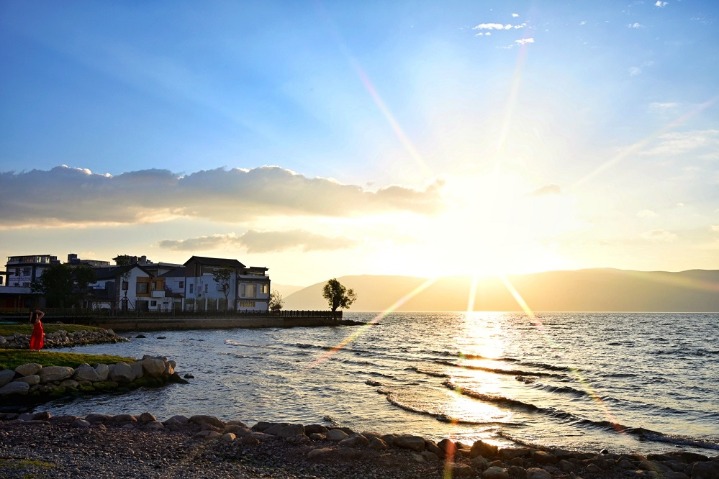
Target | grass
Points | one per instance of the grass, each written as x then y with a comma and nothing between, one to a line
12,358
19,464
26,328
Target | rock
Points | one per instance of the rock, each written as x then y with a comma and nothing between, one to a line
544,457
356,440
336,435
121,373
6,375
208,420
81,423
95,418
512,452
429,456
69,384
146,417
448,447
154,367
480,448
321,453
312,428
85,372
538,473
228,437
517,472
376,443
462,470
286,430
103,371
495,472
137,371
28,369
15,387
706,469
32,380
55,373
408,441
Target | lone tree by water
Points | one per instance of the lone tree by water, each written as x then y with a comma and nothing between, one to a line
223,277
276,301
337,295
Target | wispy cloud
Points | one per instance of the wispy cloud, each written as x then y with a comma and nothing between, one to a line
635,25
660,4
524,41
65,195
647,214
659,236
262,242
702,142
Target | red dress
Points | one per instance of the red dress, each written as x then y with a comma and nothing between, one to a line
37,339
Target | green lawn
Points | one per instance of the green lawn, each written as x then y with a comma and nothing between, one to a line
12,358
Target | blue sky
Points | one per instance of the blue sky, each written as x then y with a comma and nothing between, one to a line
329,138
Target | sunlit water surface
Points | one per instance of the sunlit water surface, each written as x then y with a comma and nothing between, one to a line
624,382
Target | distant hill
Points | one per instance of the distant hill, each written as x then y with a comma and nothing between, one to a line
580,290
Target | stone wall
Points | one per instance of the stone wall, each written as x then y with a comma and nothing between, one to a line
32,383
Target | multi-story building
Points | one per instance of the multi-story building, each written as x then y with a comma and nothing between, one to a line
22,271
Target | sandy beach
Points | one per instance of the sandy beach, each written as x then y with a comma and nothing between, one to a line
125,446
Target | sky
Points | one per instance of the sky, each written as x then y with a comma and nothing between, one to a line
321,139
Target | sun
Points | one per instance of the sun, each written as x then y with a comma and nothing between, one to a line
494,224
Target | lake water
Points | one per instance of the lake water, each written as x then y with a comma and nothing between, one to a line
623,382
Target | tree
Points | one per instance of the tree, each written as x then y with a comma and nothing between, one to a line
222,277
276,301
337,295
64,285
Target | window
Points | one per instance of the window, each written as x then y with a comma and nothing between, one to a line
205,289
125,285
247,304
153,303
142,288
248,290
182,284
265,289
192,288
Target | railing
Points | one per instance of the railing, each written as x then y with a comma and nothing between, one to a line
67,314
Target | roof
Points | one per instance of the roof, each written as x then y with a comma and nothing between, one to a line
218,262
113,272
178,272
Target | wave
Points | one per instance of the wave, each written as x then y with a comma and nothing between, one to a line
511,372
441,417
550,367
610,426
559,389
426,372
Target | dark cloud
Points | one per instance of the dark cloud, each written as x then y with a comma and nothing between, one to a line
262,242
64,194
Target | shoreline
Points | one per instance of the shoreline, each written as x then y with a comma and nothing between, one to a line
203,446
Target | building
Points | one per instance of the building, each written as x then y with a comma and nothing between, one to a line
22,271
242,288
128,288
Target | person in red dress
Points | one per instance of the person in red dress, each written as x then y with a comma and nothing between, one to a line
37,338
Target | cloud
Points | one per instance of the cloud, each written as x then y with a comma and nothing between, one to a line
703,142
547,190
663,106
65,195
635,25
635,71
647,214
659,236
262,242
715,228
661,4
524,41
515,15
487,28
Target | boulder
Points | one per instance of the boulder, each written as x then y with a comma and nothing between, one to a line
28,369
286,430
201,419
137,369
15,387
6,376
85,372
706,469
154,367
336,435
355,440
103,371
484,449
408,441
538,473
495,472
32,380
55,373
121,373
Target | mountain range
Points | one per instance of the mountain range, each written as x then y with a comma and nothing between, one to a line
578,290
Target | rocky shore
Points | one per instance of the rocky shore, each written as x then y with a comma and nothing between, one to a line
63,339
31,383
39,445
